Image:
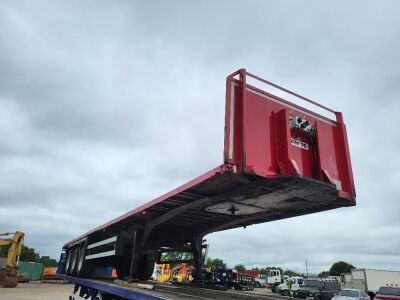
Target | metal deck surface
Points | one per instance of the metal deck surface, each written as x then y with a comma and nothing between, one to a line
221,199
168,291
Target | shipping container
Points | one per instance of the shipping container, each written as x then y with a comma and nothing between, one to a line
31,271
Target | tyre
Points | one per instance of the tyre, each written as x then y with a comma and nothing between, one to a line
82,266
285,293
74,260
68,262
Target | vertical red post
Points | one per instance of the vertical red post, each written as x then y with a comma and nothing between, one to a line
346,162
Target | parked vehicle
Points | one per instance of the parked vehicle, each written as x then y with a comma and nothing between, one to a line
286,290
351,294
317,289
275,278
388,293
260,281
370,280
228,279
345,281
280,160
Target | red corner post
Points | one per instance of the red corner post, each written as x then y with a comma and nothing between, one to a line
346,162
235,119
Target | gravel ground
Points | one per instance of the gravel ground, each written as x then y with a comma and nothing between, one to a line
37,291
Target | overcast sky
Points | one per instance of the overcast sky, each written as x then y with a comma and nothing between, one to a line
105,105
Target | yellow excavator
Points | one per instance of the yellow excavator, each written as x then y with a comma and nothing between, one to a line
180,273
9,265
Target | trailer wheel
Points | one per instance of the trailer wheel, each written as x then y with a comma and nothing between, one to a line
82,267
74,260
68,262
145,269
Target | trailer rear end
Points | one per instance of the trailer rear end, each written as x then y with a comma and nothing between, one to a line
371,280
281,160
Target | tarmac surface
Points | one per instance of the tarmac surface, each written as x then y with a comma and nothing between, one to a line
37,291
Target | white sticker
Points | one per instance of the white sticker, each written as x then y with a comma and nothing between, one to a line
338,184
299,144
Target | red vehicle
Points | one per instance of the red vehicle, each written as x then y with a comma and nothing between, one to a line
391,292
281,160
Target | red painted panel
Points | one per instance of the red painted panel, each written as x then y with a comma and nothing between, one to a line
272,137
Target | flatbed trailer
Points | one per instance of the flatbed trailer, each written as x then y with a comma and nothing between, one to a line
96,289
281,160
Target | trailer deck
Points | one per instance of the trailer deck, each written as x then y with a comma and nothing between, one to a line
281,160
205,205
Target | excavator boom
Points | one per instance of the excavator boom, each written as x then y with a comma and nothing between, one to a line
9,266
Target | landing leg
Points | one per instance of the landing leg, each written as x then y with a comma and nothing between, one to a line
134,256
198,259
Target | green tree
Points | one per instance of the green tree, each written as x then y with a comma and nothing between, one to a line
263,271
216,264
3,251
340,267
175,256
323,274
240,268
256,269
290,273
29,255
46,261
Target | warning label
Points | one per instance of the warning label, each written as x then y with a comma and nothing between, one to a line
299,144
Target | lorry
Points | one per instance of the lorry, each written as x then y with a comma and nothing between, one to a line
274,278
317,289
229,279
280,160
371,280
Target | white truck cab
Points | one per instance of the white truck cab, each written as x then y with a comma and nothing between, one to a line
275,278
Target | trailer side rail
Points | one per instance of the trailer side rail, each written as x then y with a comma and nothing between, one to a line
93,286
